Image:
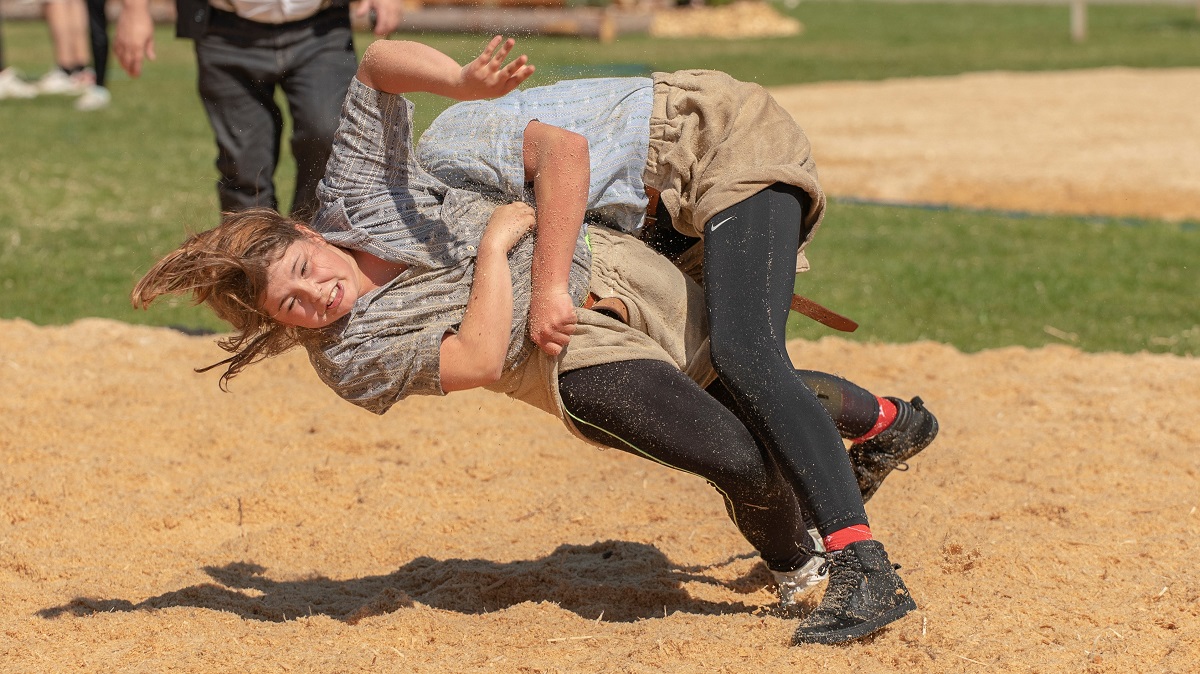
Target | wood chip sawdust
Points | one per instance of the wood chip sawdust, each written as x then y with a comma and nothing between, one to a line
1110,141
150,522
735,20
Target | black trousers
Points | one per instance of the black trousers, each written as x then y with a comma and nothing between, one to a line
241,64
98,36
749,276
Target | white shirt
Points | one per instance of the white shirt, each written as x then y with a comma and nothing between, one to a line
271,11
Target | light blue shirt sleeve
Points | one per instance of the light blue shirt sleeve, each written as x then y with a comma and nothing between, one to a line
479,144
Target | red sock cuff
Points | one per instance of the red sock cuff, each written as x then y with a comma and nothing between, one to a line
887,414
843,537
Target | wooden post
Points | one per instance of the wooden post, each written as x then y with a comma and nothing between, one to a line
608,26
1079,20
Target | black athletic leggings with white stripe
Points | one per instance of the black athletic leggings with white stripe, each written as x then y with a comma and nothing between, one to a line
651,409
761,435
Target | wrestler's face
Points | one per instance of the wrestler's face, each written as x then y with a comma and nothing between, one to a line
313,284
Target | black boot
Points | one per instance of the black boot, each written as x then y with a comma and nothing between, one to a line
914,428
864,594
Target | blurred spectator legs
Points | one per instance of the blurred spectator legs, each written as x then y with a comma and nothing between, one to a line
97,96
12,85
67,20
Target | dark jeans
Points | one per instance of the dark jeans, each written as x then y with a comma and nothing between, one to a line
749,274
240,64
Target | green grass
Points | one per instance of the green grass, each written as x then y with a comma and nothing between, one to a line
980,280
90,200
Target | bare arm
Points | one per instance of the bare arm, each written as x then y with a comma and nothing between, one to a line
134,38
401,66
474,356
558,164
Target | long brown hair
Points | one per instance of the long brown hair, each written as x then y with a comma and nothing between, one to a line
226,268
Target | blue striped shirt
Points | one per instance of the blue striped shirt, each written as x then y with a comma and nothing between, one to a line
479,143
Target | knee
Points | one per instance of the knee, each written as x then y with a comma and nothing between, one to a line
728,352
747,477
313,143
741,364
316,128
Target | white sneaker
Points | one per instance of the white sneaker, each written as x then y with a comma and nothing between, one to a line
794,584
12,85
57,81
93,98
818,541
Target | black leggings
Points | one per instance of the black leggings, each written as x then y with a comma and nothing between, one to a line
854,409
98,35
749,275
650,409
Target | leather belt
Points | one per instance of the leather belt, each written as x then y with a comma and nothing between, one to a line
651,208
827,317
613,307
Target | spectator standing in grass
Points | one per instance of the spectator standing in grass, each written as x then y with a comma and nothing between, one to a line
67,20
12,85
245,50
96,95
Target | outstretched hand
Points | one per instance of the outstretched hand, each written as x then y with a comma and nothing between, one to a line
488,77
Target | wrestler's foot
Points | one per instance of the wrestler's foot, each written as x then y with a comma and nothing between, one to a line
794,584
865,593
914,428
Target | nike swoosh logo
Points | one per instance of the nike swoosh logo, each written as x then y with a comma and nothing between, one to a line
714,227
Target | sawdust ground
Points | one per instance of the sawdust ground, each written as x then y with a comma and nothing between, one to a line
150,522
1111,141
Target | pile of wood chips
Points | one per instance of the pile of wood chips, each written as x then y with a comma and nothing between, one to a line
736,20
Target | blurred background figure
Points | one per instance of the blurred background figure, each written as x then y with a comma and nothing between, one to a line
246,50
67,21
12,85
97,95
